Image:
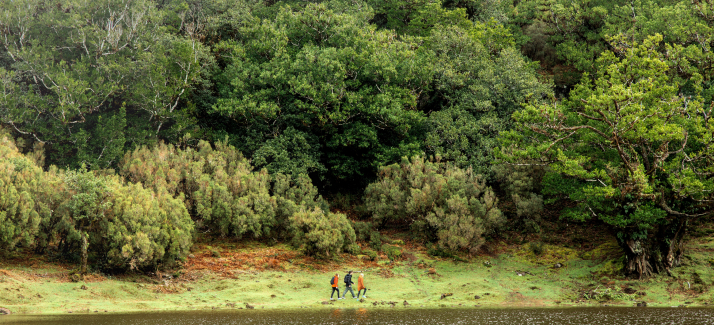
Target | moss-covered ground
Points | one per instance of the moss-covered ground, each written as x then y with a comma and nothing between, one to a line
233,275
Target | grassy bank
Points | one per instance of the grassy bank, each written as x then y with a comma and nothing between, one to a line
230,276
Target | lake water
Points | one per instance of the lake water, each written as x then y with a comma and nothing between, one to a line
397,316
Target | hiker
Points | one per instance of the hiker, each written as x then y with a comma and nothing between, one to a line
360,286
335,282
348,285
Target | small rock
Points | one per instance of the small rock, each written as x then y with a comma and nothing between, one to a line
642,304
191,256
477,297
557,265
83,287
405,303
273,296
5,311
247,306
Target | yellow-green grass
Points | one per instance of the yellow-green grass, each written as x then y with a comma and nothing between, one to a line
585,278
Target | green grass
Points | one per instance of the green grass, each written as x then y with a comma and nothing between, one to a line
587,278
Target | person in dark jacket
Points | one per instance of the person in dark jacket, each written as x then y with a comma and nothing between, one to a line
348,285
335,283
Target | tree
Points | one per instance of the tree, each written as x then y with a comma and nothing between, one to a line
86,209
20,179
440,202
630,150
64,87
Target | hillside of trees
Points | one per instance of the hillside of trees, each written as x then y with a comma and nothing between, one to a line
127,127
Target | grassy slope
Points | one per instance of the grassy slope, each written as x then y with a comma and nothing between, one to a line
278,277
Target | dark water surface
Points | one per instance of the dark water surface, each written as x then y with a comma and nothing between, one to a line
578,316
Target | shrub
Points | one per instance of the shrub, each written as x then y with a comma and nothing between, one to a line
375,240
393,252
443,203
20,180
126,224
321,234
363,230
353,249
370,253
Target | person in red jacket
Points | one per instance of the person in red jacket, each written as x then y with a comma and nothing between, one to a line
335,282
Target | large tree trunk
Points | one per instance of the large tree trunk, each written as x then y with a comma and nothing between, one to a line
658,253
637,254
85,244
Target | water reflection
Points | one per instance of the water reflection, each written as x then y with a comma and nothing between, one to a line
364,316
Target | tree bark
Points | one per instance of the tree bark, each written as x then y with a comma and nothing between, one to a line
658,253
85,244
637,258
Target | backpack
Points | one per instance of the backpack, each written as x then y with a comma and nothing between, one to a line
332,280
348,279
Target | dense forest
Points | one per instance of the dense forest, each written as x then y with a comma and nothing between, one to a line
130,126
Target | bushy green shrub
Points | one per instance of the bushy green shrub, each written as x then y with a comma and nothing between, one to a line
443,203
20,179
375,240
353,249
370,253
126,225
393,252
321,233
363,230
227,196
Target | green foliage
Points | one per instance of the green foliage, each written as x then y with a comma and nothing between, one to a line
393,252
20,179
624,147
444,203
370,253
522,184
363,230
375,239
125,225
144,228
322,234
218,185
417,17
229,198
69,88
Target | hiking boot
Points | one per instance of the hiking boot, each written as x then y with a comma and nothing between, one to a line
340,298
332,298
364,296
